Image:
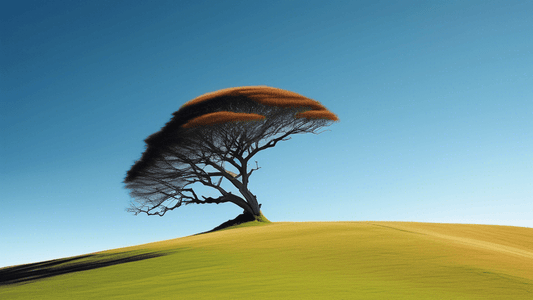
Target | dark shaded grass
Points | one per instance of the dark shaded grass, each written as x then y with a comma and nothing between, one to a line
40,270
241,219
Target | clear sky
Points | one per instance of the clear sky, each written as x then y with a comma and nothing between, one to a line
435,100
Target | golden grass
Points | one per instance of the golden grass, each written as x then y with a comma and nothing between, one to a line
221,117
332,260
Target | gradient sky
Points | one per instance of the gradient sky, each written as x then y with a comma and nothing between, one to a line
435,100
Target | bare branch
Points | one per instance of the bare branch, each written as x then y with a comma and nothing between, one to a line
252,170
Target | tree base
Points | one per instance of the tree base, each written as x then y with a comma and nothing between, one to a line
240,219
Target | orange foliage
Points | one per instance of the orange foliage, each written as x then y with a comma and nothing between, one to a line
264,95
223,92
318,114
221,117
281,101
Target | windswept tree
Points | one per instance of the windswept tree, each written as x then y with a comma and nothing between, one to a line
212,134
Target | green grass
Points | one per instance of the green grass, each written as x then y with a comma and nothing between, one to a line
242,220
330,260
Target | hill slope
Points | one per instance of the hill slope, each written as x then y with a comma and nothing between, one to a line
337,260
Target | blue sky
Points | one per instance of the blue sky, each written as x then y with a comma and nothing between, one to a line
435,100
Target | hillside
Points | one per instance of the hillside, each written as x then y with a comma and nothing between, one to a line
326,260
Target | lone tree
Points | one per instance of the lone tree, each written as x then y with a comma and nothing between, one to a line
223,128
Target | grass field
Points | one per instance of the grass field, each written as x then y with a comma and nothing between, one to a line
330,260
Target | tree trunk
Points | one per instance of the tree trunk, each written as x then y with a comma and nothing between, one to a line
241,203
252,201
249,198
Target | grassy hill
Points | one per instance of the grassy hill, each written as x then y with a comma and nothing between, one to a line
327,260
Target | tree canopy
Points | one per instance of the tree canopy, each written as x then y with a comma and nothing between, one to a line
207,134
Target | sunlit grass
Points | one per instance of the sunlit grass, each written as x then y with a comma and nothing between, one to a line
337,260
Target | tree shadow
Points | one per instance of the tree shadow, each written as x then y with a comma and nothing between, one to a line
240,219
40,270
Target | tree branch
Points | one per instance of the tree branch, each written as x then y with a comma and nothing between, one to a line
252,170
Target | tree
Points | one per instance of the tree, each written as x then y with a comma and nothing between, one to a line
219,129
